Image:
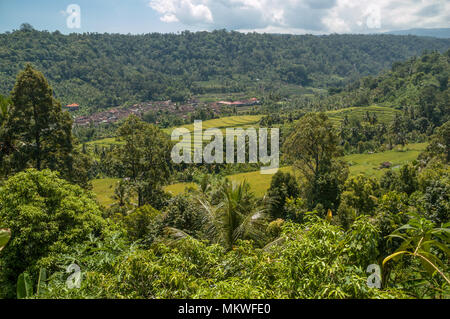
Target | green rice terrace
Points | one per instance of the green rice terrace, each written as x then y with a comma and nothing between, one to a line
384,115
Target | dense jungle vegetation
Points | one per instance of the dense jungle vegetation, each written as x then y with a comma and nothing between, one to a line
313,234
103,70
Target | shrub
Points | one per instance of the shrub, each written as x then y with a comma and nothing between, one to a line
46,215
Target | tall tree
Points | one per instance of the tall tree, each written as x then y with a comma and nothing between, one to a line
38,126
313,148
144,158
6,146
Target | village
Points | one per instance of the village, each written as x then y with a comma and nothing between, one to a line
179,109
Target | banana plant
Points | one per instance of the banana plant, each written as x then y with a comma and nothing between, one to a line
419,238
5,235
25,284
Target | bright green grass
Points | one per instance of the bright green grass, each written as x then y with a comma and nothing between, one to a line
224,122
105,142
104,189
384,114
179,188
239,121
368,164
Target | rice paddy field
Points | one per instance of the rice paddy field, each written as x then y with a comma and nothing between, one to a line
241,121
384,115
238,121
105,142
367,164
103,189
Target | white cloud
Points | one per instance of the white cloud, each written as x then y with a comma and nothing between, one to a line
169,17
190,12
305,16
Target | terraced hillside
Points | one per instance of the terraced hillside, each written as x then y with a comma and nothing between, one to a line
384,115
242,121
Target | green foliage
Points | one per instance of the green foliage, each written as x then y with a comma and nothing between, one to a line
419,86
100,70
439,144
405,180
317,260
296,209
432,200
36,132
235,216
275,227
184,213
5,235
41,284
144,159
47,215
217,240
5,105
391,213
358,198
423,241
24,286
282,186
37,121
144,223
416,94
313,147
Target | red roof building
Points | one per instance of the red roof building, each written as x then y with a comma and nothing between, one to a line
72,107
252,101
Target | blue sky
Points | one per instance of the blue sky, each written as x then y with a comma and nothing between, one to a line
281,16
116,16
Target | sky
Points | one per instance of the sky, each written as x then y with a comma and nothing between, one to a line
270,16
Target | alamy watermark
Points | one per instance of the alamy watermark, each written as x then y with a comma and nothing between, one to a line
74,279
235,139
371,17
74,16
374,279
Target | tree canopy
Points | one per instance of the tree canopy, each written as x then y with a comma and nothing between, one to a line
102,70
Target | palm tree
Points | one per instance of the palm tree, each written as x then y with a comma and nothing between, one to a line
236,216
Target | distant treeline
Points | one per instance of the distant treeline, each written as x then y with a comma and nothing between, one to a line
102,70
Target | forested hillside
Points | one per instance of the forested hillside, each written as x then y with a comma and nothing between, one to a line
418,86
101,70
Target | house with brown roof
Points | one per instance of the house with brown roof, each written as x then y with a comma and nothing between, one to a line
72,107
250,102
